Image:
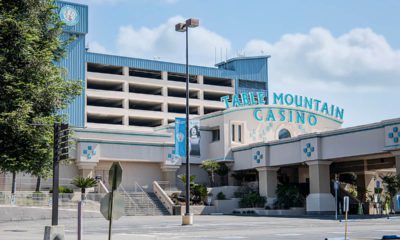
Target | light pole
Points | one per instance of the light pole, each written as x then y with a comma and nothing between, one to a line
187,219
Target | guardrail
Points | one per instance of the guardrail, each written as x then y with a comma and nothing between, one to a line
44,199
163,197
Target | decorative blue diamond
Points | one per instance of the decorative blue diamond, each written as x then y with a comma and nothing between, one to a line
169,155
395,129
391,135
396,139
308,150
89,152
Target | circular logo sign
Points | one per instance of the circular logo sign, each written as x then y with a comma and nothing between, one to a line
180,137
69,15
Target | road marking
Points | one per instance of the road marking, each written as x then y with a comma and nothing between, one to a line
233,237
288,234
387,230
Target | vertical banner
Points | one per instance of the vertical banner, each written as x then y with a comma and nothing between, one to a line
194,137
180,130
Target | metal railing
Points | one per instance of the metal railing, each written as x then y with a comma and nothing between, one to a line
137,202
66,200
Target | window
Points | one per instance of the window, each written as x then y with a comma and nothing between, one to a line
237,133
215,135
284,133
233,132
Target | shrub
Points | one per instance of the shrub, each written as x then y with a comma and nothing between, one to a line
242,192
252,200
62,189
288,195
221,196
199,193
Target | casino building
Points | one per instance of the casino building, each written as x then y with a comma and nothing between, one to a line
128,107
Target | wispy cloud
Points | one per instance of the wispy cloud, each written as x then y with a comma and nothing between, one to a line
163,42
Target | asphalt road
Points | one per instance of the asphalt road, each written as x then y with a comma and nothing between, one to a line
208,227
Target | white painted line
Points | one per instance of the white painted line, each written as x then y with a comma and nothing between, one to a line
388,230
233,237
288,234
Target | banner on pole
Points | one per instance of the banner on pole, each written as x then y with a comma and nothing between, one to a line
194,137
180,130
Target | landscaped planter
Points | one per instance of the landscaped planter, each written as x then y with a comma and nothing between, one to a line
226,206
273,212
200,209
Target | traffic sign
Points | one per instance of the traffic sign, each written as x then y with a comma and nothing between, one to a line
118,209
115,175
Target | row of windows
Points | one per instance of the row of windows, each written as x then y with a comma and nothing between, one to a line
145,73
152,90
237,133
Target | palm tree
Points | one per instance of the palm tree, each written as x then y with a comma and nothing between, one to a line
83,183
210,166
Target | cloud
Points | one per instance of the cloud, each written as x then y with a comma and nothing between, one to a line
97,47
359,60
164,43
358,70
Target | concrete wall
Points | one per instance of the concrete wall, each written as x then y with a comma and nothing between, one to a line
196,170
142,173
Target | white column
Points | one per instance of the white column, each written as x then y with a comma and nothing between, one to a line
320,200
164,76
267,183
396,155
125,71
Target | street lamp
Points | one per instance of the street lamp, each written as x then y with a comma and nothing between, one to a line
187,219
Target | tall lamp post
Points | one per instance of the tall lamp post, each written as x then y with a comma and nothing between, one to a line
187,219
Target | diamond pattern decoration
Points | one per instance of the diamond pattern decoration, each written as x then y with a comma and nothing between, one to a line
262,134
258,157
253,135
308,150
171,155
269,126
301,128
89,152
394,135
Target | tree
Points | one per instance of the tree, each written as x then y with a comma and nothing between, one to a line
211,166
32,88
392,185
84,183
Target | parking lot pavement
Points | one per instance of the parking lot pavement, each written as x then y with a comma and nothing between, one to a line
208,227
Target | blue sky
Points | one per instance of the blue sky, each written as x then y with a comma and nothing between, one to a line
344,52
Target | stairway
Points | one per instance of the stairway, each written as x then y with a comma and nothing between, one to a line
143,204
